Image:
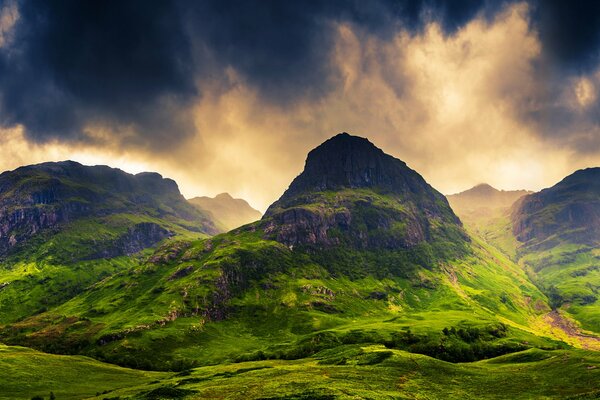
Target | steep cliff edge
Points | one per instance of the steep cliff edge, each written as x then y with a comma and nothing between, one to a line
352,193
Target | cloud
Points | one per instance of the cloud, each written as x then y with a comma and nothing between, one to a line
230,96
451,105
570,33
9,14
134,70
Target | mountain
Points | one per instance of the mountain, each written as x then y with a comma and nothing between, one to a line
483,200
558,230
358,251
568,211
485,212
227,213
65,226
40,201
351,192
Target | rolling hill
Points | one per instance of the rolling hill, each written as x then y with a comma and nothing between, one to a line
360,272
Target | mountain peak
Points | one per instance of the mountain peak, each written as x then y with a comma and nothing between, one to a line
224,196
483,187
352,192
347,161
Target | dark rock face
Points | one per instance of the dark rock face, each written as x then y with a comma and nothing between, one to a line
353,193
137,238
346,161
47,196
570,210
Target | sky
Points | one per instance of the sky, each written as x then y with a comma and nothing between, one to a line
230,95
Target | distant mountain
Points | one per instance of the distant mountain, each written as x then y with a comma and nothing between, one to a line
107,211
485,211
482,199
568,211
227,213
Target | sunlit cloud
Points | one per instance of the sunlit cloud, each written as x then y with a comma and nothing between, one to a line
455,106
9,14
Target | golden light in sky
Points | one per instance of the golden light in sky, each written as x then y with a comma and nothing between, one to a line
454,106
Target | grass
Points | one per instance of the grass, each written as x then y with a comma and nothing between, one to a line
345,372
27,373
170,310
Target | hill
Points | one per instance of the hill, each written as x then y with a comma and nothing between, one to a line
61,223
348,371
559,231
358,250
227,213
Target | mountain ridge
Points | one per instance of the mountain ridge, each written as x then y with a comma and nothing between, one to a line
50,197
227,212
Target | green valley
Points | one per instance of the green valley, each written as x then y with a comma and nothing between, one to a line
359,282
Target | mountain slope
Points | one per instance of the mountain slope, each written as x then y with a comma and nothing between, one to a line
64,226
559,232
371,254
227,212
485,212
43,199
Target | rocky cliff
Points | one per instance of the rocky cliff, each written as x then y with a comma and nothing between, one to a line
351,192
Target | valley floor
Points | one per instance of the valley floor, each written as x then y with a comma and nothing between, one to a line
345,372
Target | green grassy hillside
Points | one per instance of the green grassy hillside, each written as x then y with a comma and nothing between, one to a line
345,372
377,263
559,232
356,282
239,296
27,373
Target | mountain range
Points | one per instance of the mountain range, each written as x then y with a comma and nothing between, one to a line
360,281
227,213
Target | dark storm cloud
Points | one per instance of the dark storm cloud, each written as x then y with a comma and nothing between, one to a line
71,63
569,32
134,68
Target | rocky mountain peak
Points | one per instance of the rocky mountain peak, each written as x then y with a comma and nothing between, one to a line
347,161
352,192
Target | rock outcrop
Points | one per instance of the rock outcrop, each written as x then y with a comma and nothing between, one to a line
351,192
